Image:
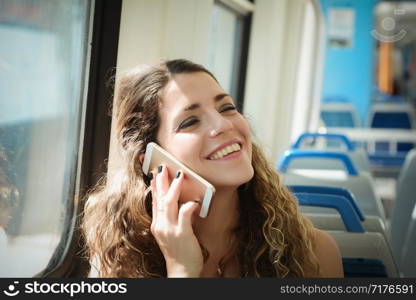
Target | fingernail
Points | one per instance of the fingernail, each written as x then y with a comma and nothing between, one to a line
159,169
178,174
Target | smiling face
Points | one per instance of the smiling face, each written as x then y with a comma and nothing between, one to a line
200,125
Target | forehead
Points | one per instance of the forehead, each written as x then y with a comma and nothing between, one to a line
188,88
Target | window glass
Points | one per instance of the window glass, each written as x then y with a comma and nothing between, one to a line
42,59
225,47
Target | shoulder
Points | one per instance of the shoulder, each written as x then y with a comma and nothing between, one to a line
328,255
95,268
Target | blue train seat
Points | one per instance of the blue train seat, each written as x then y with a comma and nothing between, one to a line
368,245
364,254
327,221
360,184
360,268
330,142
331,197
339,114
392,115
383,147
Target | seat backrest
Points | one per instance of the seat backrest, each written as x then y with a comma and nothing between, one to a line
331,221
358,158
292,155
407,264
324,191
344,207
329,142
391,120
368,245
392,115
326,221
361,185
310,138
405,201
387,160
374,258
363,188
363,267
339,114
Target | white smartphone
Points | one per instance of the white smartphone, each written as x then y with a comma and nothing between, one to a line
194,186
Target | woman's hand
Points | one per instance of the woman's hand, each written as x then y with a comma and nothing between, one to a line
172,226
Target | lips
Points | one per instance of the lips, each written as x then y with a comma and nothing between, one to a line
225,149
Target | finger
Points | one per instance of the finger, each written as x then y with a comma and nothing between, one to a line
185,215
162,181
172,197
154,198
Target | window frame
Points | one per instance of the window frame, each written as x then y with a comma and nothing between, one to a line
100,62
245,9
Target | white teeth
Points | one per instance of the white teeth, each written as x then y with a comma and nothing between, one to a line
227,150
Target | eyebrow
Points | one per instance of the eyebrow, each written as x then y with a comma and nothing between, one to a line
217,98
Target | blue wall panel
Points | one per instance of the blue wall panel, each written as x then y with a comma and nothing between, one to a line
349,72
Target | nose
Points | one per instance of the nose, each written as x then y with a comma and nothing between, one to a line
220,124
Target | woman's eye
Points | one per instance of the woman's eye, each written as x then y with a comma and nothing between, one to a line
188,123
228,107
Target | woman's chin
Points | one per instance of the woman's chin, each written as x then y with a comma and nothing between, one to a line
232,179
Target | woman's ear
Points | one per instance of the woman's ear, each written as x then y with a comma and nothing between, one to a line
141,158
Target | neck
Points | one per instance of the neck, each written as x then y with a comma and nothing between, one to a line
215,231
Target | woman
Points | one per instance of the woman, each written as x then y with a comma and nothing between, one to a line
253,228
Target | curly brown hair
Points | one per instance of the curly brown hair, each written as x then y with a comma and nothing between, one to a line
273,238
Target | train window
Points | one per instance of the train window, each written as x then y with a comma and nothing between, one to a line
42,71
227,57
305,78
